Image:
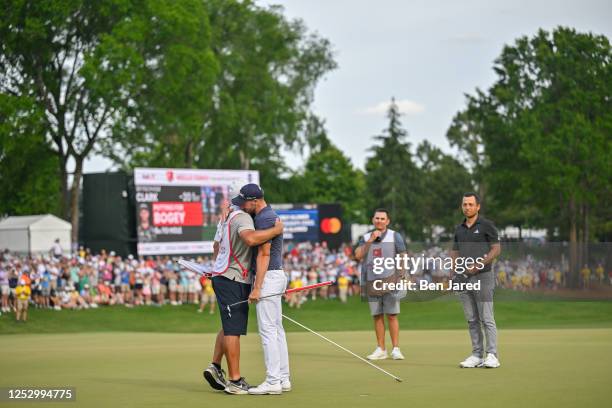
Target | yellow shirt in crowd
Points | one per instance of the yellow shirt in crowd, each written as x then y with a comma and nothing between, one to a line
208,287
296,284
343,282
501,276
527,280
23,292
586,273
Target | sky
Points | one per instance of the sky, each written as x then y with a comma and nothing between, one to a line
425,54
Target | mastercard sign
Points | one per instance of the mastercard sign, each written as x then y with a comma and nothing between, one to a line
313,223
331,225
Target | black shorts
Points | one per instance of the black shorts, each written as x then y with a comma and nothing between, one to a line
228,292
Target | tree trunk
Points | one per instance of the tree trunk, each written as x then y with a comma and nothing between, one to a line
573,244
63,174
74,198
482,190
393,203
189,154
585,235
579,236
244,160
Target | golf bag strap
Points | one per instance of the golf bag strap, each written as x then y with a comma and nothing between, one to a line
231,254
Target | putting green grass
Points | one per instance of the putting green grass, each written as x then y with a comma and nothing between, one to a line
516,311
543,368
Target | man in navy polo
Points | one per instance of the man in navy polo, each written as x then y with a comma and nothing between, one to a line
270,278
476,237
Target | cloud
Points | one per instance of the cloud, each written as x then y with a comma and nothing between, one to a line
405,106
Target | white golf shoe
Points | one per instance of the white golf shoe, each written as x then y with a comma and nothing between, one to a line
491,361
396,354
471,362
378,354
286,385
266,388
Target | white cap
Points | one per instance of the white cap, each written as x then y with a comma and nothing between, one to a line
234,189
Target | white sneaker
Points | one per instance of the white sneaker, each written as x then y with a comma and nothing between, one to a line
286,385
396,354
266,388
471,362
491,361
378,354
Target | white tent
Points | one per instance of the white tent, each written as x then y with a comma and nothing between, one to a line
34,234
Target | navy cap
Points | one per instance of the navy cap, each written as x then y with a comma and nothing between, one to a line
248,192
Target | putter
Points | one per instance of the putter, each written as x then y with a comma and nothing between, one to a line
396,378
316,285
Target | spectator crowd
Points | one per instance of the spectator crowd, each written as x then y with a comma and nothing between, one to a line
85,280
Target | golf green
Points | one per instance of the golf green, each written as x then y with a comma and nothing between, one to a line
545,368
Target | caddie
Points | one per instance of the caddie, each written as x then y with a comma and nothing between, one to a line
382,242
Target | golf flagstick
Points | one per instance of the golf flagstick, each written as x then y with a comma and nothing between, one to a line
316,285
396,378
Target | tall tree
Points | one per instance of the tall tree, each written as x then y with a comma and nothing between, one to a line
329,177
466,134
88,65
259,104
29,183
549,121
476,132
392,177
443,181
269,66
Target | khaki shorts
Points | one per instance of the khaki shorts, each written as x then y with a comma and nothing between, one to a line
208,298
22,304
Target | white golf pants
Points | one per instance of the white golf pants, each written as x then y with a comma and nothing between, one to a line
270,322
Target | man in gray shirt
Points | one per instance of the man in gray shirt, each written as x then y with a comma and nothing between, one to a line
382,242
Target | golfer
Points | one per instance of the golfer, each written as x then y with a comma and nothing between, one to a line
382,242
477,237
269,279
231,284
